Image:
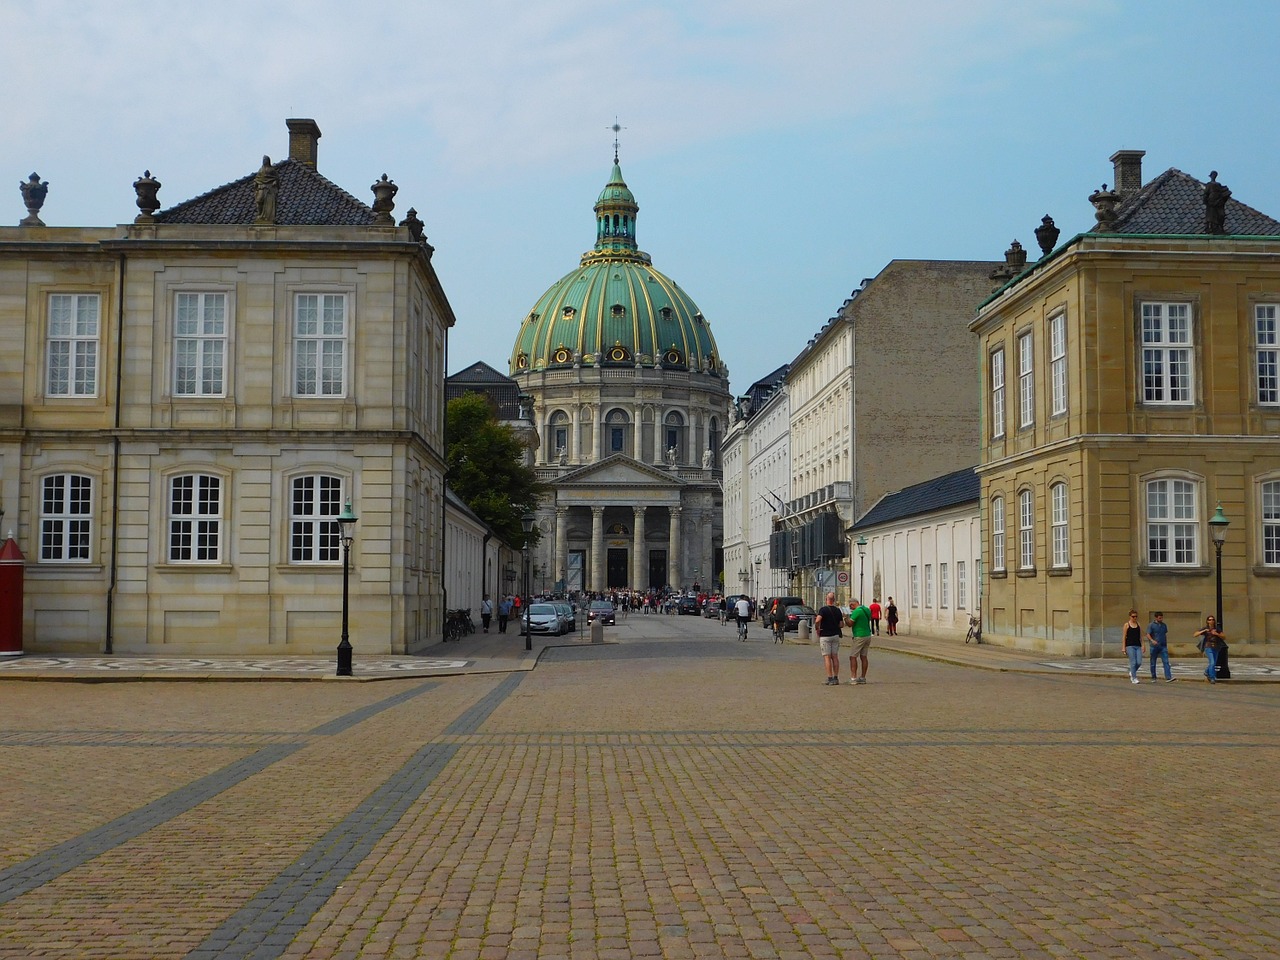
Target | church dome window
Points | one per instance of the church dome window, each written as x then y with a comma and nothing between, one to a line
619,354
618,310
672,357
562,355
569,312
522,362
666,313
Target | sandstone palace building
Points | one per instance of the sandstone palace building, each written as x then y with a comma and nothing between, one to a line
188,400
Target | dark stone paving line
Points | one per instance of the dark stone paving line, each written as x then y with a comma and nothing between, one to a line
265,926
50,864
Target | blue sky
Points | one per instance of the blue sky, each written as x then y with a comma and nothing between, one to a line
780,150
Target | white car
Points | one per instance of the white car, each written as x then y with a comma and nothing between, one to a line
545,618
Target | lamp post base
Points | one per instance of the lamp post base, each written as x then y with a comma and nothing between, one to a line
344,659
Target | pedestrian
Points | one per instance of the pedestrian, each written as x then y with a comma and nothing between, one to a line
1133,645
891,615
828,621
875,615
743,611
486,612
504,613
1158,646
860,621
724,610
1212,640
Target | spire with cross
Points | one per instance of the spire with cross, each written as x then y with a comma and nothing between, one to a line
616,130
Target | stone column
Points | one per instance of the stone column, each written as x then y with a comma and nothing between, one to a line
705,562
597,549
561,560
673,551
639,560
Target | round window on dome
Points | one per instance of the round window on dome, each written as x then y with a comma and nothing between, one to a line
522,361
562,355
673,357
619,354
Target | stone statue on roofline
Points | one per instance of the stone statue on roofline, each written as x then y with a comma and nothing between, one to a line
34,190
266,188
1216,196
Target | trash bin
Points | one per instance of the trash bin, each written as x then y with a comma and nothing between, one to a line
803,628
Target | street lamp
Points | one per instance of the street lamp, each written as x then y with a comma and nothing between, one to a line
755,590
346,532
526,523
862,568
1218,529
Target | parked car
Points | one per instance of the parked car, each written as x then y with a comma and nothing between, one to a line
785,602
569,612
687,605
603,611
797,612
545,618
711,609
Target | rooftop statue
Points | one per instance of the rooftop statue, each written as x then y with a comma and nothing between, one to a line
266,188
34,191
1216,196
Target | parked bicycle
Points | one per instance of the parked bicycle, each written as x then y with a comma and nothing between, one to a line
975,629
457,624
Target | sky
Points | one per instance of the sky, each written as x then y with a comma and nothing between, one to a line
780,150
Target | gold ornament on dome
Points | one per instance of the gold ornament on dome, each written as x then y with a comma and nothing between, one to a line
619,353
522,361
562,355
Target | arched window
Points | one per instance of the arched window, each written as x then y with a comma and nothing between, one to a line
673,435
315,500
557,435
617,432
1173,522
1271,523
997,534
66,518
713,442
1026,531
1059,531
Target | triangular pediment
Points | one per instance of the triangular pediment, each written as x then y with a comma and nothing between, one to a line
619,471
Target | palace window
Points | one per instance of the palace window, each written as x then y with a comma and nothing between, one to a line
997,534
1166,353
195,518
1271,523
66,518
928,584
944,587
1058,365
1058,523
962,586
1026,382
915,585
73,345
1268,352
320,345
1173,526
997,393
1026,531
199,344
314,504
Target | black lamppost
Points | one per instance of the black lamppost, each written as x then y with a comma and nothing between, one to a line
755,592
862,568
1218,528
526,523
346,530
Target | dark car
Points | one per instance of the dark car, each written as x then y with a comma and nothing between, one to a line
783,602
687,605
603,611
797,612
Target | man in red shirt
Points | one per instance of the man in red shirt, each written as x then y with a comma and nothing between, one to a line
875,616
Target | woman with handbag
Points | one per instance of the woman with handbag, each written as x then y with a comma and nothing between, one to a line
1211,641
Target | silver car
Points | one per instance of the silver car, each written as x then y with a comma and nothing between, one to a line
545,618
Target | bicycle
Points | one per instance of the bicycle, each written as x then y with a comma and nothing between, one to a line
975,629
742,627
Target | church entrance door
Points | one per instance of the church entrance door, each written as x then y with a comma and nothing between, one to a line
616,573
657,569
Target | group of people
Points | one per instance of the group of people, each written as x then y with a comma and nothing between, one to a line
1210,640
507,606
830,622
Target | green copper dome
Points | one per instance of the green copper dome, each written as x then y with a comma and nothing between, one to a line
615,309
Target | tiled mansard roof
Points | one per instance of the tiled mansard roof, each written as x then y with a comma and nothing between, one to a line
950,490
306,198
1173,203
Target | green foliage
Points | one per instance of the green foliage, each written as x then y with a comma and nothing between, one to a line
484,465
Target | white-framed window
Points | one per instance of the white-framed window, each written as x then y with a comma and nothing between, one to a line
199,344
1026,531
997,393
1058,524
915,585
195,518
1058,365
73,345
962,586
944,587
1026,382
1267,331
315,500
928,584
320,345
1271,523
1166,353
66,518
1173,523
997,534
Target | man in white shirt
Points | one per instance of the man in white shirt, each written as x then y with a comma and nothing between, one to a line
743,610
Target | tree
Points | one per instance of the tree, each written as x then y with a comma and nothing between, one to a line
484,465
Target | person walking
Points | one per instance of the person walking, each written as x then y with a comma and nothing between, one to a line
860,621
828,621
875,615
1133,645
891,617
486,612
504,613
1158,646
1212,640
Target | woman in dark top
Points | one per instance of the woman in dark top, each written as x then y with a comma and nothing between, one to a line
1214,641
1133,645
891,617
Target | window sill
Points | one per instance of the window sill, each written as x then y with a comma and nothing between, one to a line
60,570
999,574
1260,571
1026,573
1059,571
1145,570
193,566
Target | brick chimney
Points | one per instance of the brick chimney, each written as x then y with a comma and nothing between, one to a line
1128,172
303,135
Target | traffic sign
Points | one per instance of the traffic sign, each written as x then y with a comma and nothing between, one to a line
842,577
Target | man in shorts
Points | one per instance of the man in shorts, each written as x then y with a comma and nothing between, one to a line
742,610
860,621
828,621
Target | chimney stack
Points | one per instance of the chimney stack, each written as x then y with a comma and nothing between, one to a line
303,135
1128,172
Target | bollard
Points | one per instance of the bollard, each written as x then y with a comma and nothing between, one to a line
597,631
803,629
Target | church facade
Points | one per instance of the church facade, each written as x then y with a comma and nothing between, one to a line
630,400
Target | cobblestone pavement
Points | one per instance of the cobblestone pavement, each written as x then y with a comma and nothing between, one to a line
674,794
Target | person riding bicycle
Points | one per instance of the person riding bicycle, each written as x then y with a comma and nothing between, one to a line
743,610
777,618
